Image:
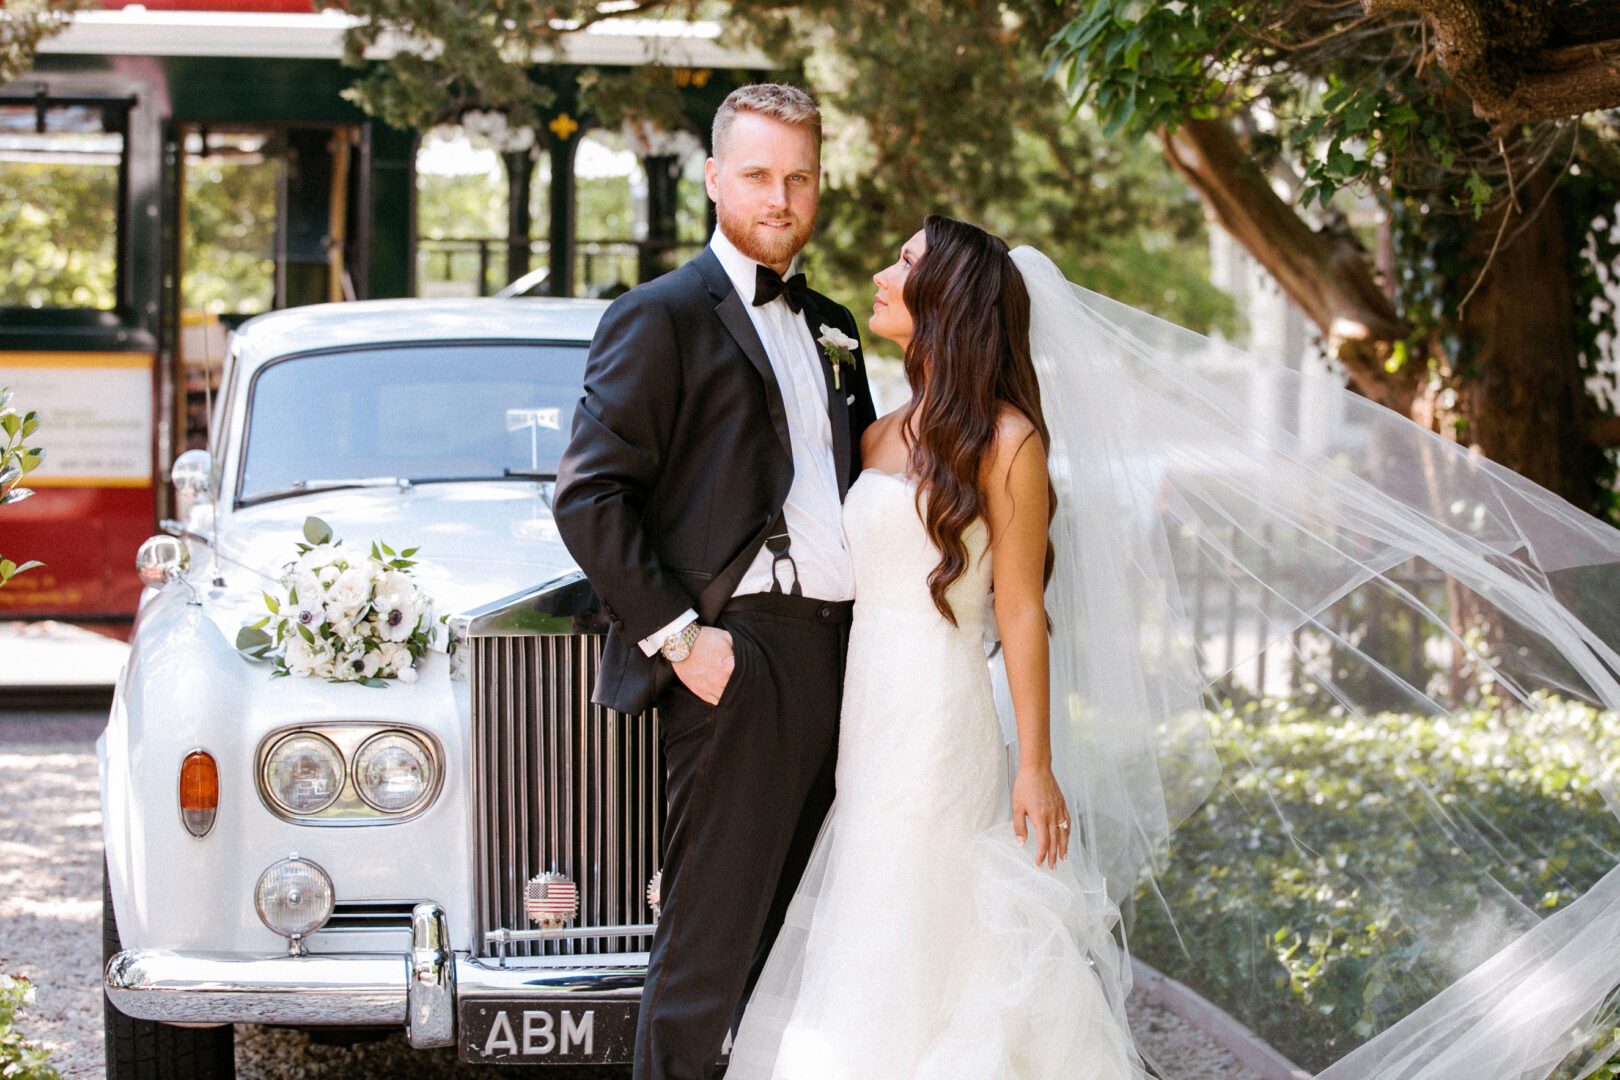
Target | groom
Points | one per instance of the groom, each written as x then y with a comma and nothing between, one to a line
701,494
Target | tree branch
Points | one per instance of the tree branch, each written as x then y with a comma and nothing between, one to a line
1329,276
1519,66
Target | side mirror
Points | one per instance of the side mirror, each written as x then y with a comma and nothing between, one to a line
190,473
161,559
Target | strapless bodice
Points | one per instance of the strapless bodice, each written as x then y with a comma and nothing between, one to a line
893,555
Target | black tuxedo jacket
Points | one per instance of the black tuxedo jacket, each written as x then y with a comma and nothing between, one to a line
679,459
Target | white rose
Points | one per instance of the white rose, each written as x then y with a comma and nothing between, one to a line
395,657
831,335
300,658
395,581
328,574
318,556
308,587
407,674
325,668
353,587
343,628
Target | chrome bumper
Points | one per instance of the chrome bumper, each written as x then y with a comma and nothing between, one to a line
418,990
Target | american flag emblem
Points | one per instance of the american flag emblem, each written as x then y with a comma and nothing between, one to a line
551,901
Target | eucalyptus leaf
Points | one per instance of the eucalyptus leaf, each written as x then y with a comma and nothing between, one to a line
270,602
316,531
16,495
252,642
374,682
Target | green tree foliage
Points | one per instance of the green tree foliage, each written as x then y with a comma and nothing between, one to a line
1351,98
17,460
934,106
1349,867
940,107
457,55
24,24
230,234
61,226
19,1059
1485,134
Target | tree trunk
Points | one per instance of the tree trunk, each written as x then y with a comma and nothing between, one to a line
1521,396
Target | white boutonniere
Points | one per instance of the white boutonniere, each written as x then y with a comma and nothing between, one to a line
836,346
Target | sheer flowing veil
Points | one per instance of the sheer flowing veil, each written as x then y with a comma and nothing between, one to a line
1187,470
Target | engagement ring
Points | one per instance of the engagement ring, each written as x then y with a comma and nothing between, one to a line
1063,824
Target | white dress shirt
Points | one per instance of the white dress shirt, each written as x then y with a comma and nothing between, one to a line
813,511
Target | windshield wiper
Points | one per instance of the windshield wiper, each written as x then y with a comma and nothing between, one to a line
531,474
307,487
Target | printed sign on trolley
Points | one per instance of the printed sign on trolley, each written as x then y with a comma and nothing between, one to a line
94,495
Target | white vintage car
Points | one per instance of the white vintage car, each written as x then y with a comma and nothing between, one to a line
471,856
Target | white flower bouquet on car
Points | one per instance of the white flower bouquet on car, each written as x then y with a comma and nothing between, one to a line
343,616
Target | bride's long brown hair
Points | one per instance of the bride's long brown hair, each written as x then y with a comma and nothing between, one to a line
967,358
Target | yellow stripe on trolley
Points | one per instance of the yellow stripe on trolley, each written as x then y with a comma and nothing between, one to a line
76,359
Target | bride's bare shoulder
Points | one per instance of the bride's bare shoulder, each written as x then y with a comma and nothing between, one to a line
1014,433
879,431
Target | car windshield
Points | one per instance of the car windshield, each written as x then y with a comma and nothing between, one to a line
438,411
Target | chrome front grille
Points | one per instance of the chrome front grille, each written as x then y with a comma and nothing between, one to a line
560,785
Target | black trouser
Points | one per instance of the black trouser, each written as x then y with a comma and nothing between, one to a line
748,782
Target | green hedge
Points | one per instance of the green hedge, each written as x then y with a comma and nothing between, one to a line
1348,868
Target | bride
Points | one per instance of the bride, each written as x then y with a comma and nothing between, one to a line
959,919
939,931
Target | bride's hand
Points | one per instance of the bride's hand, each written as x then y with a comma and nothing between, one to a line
1037,797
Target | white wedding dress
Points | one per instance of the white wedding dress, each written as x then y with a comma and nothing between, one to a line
924,943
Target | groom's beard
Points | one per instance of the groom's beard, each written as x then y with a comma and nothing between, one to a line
773,247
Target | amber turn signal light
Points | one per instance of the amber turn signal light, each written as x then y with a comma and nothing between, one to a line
199,792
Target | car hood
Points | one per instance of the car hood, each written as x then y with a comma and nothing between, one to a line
476,541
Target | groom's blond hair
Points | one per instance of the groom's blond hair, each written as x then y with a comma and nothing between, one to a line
778,101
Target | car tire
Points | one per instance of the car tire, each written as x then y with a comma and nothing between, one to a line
148,1050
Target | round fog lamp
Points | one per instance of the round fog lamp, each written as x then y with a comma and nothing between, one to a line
393,772
294,897
303,773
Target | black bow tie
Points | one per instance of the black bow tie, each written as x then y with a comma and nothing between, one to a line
768,285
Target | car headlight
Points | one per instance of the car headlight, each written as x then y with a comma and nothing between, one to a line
393,772
303,773
294,898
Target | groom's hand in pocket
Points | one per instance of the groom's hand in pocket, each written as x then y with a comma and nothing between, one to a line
707,668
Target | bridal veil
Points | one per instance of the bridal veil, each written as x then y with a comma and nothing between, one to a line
1180,462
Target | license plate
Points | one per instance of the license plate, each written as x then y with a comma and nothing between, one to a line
498,1031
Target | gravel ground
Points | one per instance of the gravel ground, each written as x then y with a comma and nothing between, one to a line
50,911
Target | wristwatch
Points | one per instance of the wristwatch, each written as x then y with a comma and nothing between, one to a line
678,646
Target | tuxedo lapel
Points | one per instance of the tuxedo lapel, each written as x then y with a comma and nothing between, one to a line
741,328
837,395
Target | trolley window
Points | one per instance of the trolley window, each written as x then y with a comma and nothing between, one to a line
62,177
